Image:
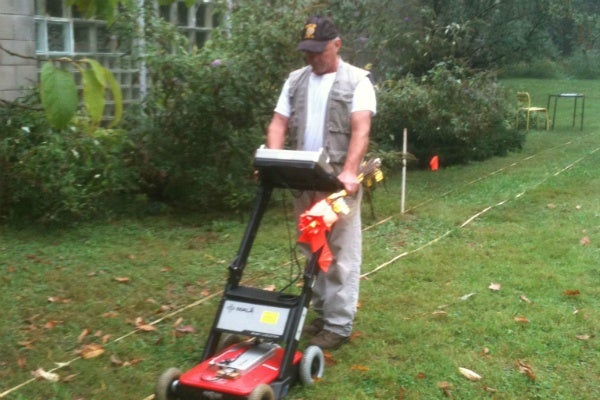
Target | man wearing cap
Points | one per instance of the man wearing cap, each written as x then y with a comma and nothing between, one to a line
329,104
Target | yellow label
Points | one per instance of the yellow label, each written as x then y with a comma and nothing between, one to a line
269,317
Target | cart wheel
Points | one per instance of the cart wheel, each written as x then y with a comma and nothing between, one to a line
262,392
227,340
311,365
164,386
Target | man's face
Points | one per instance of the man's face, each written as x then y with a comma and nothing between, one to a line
327,61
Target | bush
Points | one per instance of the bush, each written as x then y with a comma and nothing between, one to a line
208,109
59,176
450,112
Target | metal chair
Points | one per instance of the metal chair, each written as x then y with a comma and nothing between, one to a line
524,105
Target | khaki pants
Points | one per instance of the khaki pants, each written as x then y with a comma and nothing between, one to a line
335,293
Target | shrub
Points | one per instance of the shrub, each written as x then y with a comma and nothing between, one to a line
450,112
50,175
208,109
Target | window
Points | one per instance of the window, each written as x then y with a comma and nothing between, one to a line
64,31
196,22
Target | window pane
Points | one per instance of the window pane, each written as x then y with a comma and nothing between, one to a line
57,36
182,14
82,37
216,20
106,41
54,8
165,13
40,35
201,15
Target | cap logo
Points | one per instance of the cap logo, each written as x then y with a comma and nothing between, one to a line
309,31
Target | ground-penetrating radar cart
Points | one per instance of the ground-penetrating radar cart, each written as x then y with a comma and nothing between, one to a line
268,362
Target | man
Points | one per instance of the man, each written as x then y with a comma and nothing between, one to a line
329,104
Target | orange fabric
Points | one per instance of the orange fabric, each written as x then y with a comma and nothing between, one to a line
314,225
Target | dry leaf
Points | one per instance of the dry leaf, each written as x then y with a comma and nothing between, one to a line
584,337
421,375
360,368
570,292
114,360
69,378
269,288
470,375
494,287
467,296
47,376
178,322
446,386
122,279
91,351
144,327
329,359
526,369
521,320
439,313
525,299
485,351
110,314
205,293
585,241
21,362
186,329
83,334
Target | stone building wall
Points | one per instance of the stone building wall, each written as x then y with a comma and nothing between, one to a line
17,35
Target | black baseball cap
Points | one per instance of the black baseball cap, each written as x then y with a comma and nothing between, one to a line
317,32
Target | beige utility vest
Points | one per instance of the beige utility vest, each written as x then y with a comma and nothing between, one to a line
337,129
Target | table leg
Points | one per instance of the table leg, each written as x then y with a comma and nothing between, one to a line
582,109
554,112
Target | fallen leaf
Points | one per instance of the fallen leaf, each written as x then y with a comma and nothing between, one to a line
521,319
144,327
105,338
470,375
421,375
494,287
526,369
467,296
83,334
47,376
114,360
584,337
360,368
551,206
69,378
485,351
110,314
205,293
91,351
439,313
446,386
186,329
489,389
585,241
178,322
329,359
570,292
525,299
269,288
122,279
21,362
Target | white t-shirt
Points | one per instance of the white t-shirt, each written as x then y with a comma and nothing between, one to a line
318,93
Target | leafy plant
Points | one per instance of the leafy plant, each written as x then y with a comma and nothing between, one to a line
59,95
450,112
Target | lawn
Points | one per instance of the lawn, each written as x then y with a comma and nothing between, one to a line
494,267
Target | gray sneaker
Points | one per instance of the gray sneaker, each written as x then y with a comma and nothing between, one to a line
328,340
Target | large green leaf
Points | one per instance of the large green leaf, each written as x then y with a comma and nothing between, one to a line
117,96
59,95
93,95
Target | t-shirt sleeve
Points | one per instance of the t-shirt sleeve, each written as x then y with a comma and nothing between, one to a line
283,104
364,97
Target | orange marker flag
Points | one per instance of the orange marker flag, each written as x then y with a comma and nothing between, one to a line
434,163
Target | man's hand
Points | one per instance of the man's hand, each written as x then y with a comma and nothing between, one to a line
350,182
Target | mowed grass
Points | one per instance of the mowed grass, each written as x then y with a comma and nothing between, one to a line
528,223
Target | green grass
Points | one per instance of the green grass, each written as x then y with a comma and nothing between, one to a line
416,324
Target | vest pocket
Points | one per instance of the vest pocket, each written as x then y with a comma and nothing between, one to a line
339,111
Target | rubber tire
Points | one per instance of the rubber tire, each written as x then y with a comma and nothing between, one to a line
162,390
312,365
262,392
